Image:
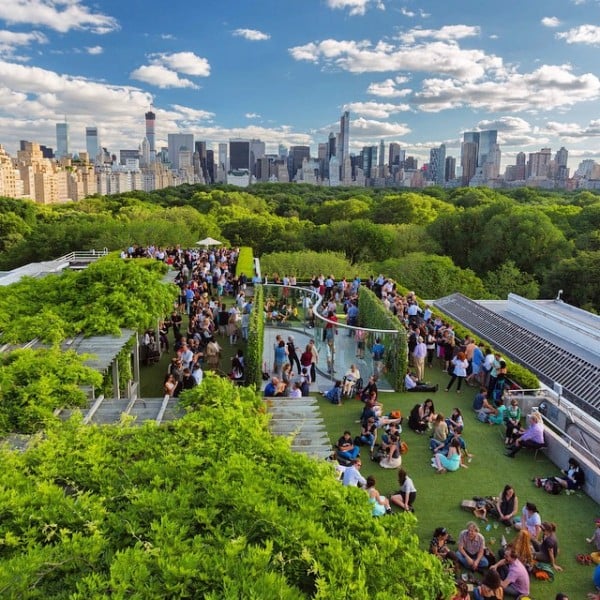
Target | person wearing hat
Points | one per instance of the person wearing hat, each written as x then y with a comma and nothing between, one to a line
419,354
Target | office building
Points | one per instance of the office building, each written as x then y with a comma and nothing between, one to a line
369,161
487,140
239,155
297,155
62,140
178,143
92,143
344,145
450,168
125,155
437,165
150,133
468,160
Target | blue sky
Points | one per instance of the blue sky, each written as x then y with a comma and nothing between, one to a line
414,72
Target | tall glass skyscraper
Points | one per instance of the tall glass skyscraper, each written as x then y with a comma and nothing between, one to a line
92,143
62,140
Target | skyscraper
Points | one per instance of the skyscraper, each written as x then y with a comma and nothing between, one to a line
369,161
381,167
297,155
62,140
393,155
487,140
150,122
437,164
344,144
450,171
179,142
239,154
92,143
468,157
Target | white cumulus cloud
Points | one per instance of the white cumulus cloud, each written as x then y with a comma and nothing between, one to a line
254,35
584,34
445,33
388,88
551,22
547,88
375,110
355,7
187,63
10,40
252,115
441,57
60,15
161,77
94,49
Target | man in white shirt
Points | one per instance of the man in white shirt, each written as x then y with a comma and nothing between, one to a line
352,475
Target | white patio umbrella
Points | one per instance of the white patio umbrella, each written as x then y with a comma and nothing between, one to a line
209,242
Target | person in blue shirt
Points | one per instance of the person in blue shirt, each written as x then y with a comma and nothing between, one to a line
378,352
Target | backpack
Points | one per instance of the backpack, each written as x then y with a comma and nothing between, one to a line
543,572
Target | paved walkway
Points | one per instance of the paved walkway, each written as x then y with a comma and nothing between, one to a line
344,355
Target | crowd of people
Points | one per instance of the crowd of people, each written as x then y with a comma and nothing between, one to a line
206,281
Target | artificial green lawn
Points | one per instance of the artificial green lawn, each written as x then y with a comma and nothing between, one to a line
439,496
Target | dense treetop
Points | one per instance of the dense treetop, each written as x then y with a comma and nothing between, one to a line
537,238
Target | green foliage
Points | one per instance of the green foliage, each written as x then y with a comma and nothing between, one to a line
34,383
245,262
507,278
256,334
579,278
408,207
210,506
432,276
305,265
110,294
373,315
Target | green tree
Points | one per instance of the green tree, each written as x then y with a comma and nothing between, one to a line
507,278
432,276
579,278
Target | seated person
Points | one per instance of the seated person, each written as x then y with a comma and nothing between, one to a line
421,416
438,546
350,378
572,478
372,408
334,395
405,497
507,505
381,505
368,434
346,448
412,384
283,314
272,388
352,474
296,390
451,462
440,432
532,437
481,404
499,417
392,458
471,548
369,389
515,580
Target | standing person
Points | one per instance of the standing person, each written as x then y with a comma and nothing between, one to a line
471,548
459,371
405,497
477,361
515,580
430,344
306,359
292,355
359,337
378,352
314,361
280,357
419,354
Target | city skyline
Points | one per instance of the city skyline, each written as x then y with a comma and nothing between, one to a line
409,73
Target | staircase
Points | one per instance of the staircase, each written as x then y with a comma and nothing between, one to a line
300,419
